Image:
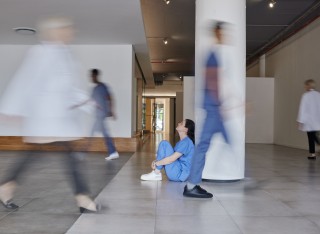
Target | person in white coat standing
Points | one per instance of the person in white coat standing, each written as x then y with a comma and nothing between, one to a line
309,115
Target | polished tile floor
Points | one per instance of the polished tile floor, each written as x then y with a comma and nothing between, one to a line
45,195
280,195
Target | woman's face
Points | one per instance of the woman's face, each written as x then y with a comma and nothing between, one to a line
181,126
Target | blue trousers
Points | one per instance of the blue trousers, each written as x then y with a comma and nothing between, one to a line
99,126
213,124
173,170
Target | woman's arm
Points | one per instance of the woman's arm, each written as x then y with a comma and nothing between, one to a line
167,160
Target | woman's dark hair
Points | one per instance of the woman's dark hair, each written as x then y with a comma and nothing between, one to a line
191,128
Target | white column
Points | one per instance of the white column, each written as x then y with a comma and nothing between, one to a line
223,161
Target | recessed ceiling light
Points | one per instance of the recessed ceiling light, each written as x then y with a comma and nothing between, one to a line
165,41
167,1
272,3
25,31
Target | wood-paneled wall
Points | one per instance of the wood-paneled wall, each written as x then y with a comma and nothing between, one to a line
96,144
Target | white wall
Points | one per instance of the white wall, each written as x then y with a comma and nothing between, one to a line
116,63
179,108
188,97
260,110
291,63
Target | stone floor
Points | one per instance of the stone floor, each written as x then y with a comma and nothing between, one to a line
280,195
45,195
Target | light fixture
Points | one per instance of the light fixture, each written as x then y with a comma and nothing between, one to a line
165,41
167,1
180,77
25,31
272,3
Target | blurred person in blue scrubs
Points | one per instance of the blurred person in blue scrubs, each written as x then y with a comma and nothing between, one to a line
175,161
213,123
42,93
103,102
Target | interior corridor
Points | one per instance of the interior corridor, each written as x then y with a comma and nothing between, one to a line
279,195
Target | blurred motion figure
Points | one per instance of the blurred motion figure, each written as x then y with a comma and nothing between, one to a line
42,93
213,122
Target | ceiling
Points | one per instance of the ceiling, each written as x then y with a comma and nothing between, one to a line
267,27
96,22
145,23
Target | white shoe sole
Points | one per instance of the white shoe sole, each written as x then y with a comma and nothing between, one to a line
111,158
155,179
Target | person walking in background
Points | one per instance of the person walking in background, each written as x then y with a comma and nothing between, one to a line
213,123
175,161
42,94
309,115
104,108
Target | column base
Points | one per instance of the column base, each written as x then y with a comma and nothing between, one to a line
220,181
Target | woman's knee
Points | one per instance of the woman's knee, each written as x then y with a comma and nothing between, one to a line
164,143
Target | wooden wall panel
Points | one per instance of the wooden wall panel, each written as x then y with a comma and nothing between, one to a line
96,145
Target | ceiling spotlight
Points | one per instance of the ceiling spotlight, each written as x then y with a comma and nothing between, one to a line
180,77
272,3
165,41
25,31
167,1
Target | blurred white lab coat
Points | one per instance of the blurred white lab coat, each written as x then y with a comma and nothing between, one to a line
43,91
309,111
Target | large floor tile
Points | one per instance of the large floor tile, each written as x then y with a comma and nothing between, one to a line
101,224
196,225
276,225
190,206
258,208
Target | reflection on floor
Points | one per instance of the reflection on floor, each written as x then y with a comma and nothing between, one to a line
279,195
45,196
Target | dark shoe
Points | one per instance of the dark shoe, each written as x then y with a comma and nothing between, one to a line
197,192
312,157
10,205
201,190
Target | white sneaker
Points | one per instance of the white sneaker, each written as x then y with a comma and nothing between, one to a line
113,156
151,176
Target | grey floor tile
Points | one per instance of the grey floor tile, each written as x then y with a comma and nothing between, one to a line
35,223
101,224
196,225
190,206
306,208
247,195
276,225
258,208
128,207
295,195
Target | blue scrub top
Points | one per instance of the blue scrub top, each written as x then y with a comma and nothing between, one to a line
100,94
186,148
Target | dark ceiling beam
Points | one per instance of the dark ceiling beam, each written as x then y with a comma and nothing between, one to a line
295,26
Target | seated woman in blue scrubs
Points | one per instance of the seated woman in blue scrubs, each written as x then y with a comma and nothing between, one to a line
175,161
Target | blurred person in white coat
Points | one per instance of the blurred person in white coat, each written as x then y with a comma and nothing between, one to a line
42,94
309,115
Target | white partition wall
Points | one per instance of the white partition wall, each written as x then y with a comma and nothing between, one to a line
260,110
224,161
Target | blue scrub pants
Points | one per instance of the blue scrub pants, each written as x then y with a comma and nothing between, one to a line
173,170
213,124
99,126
